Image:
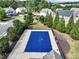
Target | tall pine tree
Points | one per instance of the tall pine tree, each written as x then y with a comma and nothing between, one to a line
56,21
48,20
61,25
70,25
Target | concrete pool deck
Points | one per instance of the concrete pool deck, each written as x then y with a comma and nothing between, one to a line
18,51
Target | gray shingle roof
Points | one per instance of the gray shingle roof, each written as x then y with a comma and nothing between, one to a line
64,12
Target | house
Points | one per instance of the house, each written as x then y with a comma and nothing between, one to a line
59,9
66,14
21,10
75,11
44,12
10,11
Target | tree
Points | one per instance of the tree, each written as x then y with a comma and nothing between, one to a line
49,5
37,5
12,34
4,46
32,5
70,25
53,8
2,14
61,25
15,32
19,26
5,3
42,19
48,20
28,19
74,33
56,21
43,4
13,4
37,18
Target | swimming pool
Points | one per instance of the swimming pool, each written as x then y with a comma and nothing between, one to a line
39,41
35,44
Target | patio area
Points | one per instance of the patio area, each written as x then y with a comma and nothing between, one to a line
18,51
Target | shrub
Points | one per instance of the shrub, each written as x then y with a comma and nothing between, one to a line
42,19
61,25
74,33
4,46
48,20
28,19
12,34
56,21
70,25
37,18
2,14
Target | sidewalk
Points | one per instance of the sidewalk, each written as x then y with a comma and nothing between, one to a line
5,22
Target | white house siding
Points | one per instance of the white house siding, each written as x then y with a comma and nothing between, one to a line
44,12
21,10
66,20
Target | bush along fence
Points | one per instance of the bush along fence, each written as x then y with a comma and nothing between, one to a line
14,33
71,28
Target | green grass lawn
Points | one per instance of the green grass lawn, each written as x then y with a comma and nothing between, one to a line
20,17
69,46
74,49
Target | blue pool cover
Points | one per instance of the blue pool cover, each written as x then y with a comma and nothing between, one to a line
39,41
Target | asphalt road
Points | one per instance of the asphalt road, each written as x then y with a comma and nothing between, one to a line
4,27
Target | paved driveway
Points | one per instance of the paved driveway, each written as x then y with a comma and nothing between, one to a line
4,26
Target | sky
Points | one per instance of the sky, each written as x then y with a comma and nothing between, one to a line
59,0
62,0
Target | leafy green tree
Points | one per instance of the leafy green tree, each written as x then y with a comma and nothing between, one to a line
4,46
12,34
37,5
70,25
15,32
56,21
19,26
28,19
49,5
32,5
14,4
42,19
43,4
5,3
37,18
53,8
2,14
